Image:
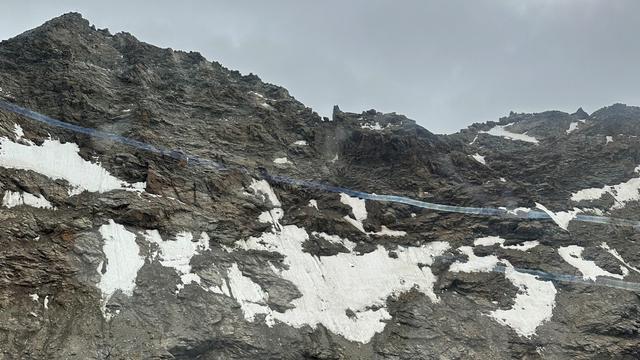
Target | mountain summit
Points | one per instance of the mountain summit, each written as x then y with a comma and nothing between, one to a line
159,205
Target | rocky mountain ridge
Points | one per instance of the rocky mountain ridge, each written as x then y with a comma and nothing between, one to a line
109,251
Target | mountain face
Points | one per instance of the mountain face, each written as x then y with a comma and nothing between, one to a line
112,251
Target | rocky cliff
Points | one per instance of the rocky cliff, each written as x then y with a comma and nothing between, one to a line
212,248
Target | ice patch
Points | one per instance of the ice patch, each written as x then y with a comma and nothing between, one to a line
123,262
502,132
572,254
479,158
561,218
62,161
13,199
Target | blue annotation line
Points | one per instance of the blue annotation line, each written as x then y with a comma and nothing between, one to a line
195,160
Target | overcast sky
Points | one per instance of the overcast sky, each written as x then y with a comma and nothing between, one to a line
445,63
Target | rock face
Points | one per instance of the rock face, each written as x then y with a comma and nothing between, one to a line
108,251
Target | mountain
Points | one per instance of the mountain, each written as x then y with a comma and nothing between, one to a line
181,210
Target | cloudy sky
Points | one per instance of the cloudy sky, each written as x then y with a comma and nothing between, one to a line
445,64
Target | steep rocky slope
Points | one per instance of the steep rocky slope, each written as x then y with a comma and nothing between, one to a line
109,251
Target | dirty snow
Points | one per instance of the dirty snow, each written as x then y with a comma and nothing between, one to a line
13,199
479,158
572,254
502,132
561,218
122,265
62,161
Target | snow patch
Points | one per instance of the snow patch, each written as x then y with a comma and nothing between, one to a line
359,210
17,129
177,254
572,254
616,255
282,160
479,158
502,132
123,262
62,161
264,190
331,285
572,127
13,199
313,203
493,240
609,139
622,193
335,239
561,218
300,143
534,302
375,126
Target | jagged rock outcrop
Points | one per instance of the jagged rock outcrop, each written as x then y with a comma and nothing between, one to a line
108,251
